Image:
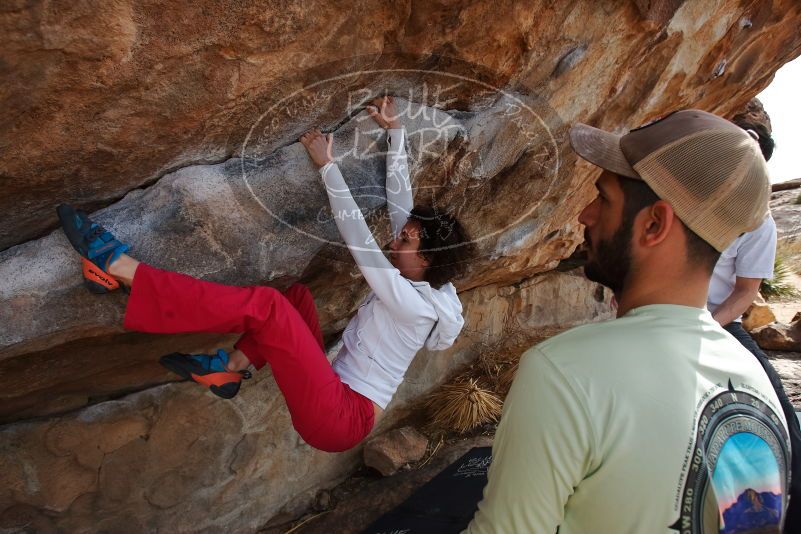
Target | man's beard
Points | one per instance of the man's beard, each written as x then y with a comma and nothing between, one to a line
611,259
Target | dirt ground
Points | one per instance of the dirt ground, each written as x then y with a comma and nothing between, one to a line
785,309
788,365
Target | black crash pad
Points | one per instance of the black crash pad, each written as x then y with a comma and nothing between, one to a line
443,505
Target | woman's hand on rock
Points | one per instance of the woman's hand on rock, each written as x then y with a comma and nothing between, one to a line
319,146
384,112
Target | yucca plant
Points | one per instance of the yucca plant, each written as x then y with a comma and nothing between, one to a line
779,286
790,250
463,406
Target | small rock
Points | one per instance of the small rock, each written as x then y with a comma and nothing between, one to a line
758,315
322,501
390,451
778,336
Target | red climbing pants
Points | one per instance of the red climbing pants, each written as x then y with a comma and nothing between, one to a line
280,329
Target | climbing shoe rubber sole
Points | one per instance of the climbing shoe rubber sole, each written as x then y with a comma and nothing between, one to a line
224,384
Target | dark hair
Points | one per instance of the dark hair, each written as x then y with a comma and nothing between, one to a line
766,143
638,195
444,243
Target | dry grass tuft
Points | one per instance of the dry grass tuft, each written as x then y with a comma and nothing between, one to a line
463,406
474,397
506,378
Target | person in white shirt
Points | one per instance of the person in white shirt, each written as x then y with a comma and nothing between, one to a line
739,272
736,279
745,263
412,304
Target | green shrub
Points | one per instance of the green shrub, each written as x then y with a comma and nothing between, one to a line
779,286
790,250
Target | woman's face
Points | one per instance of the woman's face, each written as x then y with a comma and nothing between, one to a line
403,252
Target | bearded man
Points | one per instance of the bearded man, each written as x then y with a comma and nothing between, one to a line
657,421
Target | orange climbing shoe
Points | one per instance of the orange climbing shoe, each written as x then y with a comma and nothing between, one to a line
95,244
207,370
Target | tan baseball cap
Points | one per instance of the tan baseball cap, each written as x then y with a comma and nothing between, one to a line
709,169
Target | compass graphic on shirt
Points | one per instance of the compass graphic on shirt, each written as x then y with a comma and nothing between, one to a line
738,476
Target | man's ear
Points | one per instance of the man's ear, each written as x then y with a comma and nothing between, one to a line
655,223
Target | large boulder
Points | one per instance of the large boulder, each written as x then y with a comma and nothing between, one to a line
176,124
754,113
100,98
271,223
784,209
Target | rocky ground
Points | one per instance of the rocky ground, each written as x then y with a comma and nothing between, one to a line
788,363
366,496
363,498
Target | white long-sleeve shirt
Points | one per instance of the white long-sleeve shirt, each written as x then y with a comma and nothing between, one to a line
399,316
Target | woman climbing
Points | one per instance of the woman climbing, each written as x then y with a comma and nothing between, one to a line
412,304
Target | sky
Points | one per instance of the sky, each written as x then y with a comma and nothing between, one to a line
783,104
745,461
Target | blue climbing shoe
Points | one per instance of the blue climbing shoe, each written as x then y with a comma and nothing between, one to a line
207,370
95,244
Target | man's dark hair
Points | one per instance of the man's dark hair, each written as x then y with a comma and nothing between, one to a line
766,143
444,243
638,195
